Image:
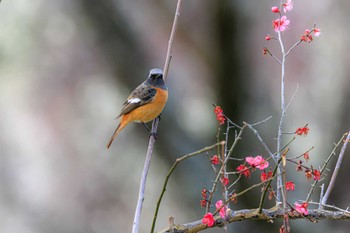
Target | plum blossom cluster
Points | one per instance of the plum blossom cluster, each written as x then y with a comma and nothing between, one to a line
307,36
282,23
208,218
255,162
301,207
220,117
215,160
303,131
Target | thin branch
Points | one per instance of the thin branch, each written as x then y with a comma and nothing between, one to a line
152,140
267,215
272,55
324,167
214,187
171,39
172,170
293,96
260,140
330,206
336,171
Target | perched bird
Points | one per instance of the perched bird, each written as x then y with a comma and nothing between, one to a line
145,103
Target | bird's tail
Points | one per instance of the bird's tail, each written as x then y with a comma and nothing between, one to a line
114,135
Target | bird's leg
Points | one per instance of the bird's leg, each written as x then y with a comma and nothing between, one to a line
155,134
144,124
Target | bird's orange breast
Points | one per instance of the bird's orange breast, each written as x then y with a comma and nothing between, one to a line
151,110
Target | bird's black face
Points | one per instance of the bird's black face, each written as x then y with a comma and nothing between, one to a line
156,80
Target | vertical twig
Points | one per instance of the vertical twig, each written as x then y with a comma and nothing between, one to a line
336,171
324,166
171,39
152,140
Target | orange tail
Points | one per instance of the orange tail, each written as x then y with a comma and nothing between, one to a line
113,136
124,121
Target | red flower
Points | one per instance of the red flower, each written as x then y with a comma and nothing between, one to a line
268,37
307,37
275,9
280,24
215,160
222,208
208,219
220,117
204,193
317,32
257,162
301,208
225,181
264,176
288,6
264,51
203,203
302,131
243,170
317,175
290,186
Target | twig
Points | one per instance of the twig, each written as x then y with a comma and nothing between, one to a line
324,167
213,189
321,196
172,170
261,141
272,55
336,171
267,215
293,96
135,228
171,39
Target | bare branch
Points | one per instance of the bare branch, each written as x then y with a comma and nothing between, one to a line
152,140
324,167
171,171
266,215
336,171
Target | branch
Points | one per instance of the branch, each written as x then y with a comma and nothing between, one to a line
323,168
152,140
171,171
336,170
267,215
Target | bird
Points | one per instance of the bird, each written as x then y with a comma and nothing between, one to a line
145,103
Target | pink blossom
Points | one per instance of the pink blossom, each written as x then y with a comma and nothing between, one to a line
268,37
208,219
222,212
301,208
288,6
280,24
257,162
317,32
275,9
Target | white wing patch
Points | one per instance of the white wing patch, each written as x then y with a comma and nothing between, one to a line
134,100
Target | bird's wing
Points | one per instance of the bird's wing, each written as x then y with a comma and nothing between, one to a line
140,96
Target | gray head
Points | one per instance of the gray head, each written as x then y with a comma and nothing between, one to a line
155,78
155,71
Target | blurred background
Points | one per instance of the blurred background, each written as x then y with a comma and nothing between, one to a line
66,67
